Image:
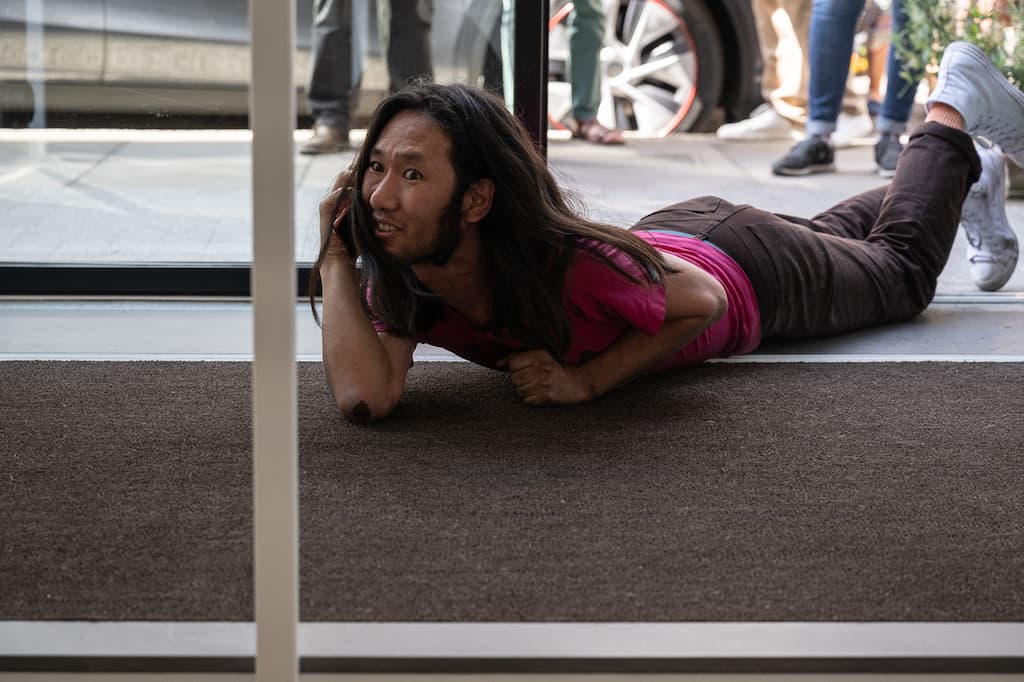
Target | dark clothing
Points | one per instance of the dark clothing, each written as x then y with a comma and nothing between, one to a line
330,77
406,39
871,259
405,35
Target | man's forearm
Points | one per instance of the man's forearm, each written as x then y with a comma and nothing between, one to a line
694,300
356,363
635,353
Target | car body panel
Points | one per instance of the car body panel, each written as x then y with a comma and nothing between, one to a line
191,57
742,52
70,33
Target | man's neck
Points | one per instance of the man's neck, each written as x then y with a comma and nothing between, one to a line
460,282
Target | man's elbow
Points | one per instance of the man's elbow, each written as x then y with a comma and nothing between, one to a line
697,296
717,303
362,409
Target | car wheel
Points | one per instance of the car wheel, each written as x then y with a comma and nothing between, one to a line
661,65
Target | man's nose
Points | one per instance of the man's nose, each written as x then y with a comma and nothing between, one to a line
382,193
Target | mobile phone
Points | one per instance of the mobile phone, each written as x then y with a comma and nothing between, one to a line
342,223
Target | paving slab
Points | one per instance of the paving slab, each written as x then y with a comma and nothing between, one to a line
165,196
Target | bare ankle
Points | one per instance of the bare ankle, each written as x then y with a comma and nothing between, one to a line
946,115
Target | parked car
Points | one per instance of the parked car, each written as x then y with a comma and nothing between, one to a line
669,65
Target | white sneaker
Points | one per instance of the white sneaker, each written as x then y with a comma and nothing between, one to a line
991,243
764,123
849,128
992,108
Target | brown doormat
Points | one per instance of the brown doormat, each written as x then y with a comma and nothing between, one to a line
821,492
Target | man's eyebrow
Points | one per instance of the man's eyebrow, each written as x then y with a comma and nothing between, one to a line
406,155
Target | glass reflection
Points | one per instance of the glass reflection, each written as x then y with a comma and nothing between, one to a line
123,124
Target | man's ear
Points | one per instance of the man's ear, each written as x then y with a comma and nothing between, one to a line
476,202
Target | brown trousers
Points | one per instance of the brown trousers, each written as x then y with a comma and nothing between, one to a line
871,259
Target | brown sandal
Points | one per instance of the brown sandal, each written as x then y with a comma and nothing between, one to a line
591,130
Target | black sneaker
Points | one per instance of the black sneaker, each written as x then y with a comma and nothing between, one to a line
813,155
887,153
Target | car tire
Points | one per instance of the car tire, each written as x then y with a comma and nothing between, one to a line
682,96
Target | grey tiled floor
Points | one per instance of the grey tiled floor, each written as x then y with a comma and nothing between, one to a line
81,196
184,196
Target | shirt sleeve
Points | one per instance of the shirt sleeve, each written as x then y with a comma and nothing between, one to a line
598,292
375,320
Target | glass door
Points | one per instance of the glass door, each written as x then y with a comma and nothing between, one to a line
124,143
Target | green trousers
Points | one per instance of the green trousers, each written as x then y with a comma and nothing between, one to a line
586,36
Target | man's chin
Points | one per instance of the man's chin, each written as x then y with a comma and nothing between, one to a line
401,259
436,257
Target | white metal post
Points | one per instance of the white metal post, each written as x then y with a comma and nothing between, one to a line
275,421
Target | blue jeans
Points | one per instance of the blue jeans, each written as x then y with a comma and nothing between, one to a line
899,92
833,23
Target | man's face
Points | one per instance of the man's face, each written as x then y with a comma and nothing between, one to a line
410,186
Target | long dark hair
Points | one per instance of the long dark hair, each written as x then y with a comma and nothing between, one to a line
529,237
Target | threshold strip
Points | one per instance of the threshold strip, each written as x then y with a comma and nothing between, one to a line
340,647
178,357
430,356
997,297
869,357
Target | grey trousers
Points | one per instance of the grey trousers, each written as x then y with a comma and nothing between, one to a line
871,259
404,30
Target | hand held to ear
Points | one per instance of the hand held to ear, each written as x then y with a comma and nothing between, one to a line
335,220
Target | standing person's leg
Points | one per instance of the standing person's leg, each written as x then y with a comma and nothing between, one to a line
876,22
899,90
506,32
586,38
899,99
831,37
765,122
330,78
793,104
831,43
404,29
768,40
854,119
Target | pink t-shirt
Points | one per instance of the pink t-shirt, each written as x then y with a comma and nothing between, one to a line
602,304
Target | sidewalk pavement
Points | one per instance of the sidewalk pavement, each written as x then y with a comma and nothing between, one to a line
138,196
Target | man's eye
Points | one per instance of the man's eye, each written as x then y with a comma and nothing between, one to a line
412,174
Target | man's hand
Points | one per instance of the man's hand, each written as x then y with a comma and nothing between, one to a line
539,379
333,208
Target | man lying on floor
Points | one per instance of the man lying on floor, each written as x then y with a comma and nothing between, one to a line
466,242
